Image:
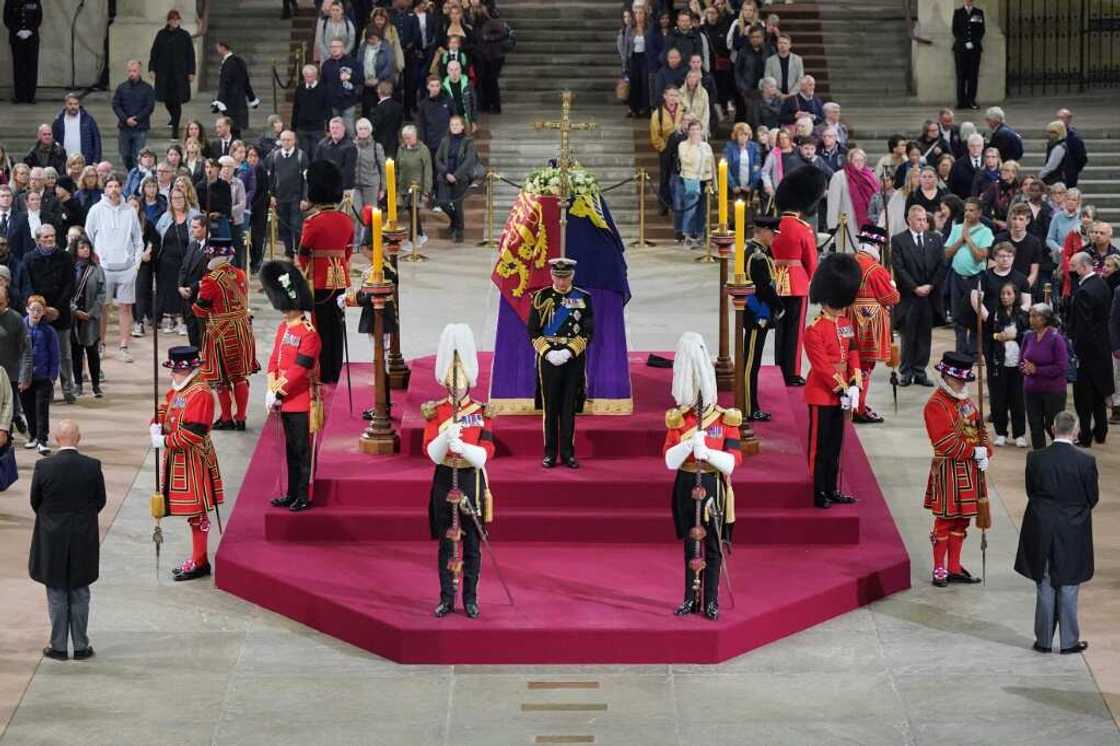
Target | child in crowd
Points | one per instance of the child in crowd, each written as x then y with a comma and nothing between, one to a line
37,374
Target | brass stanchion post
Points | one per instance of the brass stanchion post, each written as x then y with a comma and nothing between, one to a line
399,372
725,367
414,220
843,228
641,241
379,437
488,239
273,230
739,290
707,257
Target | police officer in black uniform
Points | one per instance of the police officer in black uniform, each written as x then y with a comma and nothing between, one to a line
763,309
23,17
561,323
968,32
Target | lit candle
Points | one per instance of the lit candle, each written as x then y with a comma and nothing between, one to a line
740,238
378,252
391,192
723,194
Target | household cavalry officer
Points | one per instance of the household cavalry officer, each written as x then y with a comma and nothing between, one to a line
702,447
961,449
834,376
763,310
561,323
293,378
871,314
229,351
458,439
190,480
324,254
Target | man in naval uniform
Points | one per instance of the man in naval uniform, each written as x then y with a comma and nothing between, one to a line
763,310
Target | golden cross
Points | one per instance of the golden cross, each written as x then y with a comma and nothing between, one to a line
565,125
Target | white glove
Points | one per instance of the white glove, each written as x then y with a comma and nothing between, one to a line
157,442
845,402
853,394
455,445
254,103
454,431
980,453
476,455
555,357
217,105
155,430
341,301
700,447
677,455
968,45
982,464
269,402
565,355
24,34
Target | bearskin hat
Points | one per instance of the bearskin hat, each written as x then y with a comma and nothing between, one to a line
801,190
324,183
286,287
836,281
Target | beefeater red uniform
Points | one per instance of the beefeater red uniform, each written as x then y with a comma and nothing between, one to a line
293,369
871,313
834,367
192,481
325,248
795,260
229,351
956,484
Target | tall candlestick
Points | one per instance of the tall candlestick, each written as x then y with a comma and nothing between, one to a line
391,191
723,194
378,251
740,238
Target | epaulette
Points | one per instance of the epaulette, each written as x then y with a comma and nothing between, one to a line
674,419
732,417
428,408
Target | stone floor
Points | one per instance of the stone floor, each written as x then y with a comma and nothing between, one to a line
186,664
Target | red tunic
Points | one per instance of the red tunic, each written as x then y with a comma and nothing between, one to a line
190,464
325,250
229,352
721,433
830,342
871,311
293,366
795,255
476,425
955,481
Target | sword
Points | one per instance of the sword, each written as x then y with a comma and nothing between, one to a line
726,572
894,389
346,352
469,510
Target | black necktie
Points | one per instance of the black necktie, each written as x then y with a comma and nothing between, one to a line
976,163
4,224
918,241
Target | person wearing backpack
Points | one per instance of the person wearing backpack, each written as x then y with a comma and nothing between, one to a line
1007,141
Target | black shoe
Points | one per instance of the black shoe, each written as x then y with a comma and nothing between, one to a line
663,211
456,237
1099,439
820,500
444,608
841,499
685,608
905,381
866,418
69,398
223,425
239,425
795,381
282,502
711,611
1040,649
964,576
923,381
1075,649
472,610
300,505
21,425
367,415
940,582
49,652
759,416
97,394
198,571
548,462
570,462
84,655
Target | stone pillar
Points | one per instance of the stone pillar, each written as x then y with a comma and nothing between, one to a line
934,67
136,25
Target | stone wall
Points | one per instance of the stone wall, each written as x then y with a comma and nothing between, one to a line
934,68
56,42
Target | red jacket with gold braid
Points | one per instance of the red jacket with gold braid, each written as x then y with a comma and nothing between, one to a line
229,351
192,481
795,255
475,421
293,365
325,249
721,433
955,483
830,342
871,310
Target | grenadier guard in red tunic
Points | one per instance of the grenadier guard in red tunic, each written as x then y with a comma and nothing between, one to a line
325,248
189,477
871,314
795,260
229,351
293,377
834,375
961,449
458,439
702,447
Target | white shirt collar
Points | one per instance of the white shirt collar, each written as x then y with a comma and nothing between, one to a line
1067,439
67,448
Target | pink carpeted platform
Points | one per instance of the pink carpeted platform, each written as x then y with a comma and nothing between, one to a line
589,554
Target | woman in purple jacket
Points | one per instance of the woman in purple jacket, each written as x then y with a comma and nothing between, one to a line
1044,364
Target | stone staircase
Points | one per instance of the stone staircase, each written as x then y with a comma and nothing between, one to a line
866,44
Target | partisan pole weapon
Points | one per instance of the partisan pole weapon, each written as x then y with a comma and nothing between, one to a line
346,352
454,497
983,508
159,496
698,533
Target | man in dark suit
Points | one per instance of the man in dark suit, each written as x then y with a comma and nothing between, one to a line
1056,541
23,18
968,33
235,92
67,493
1088,328
1075,145
965,168
191,272
387,118
917,257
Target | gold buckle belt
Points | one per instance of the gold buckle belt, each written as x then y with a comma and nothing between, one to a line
694,467
457,463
